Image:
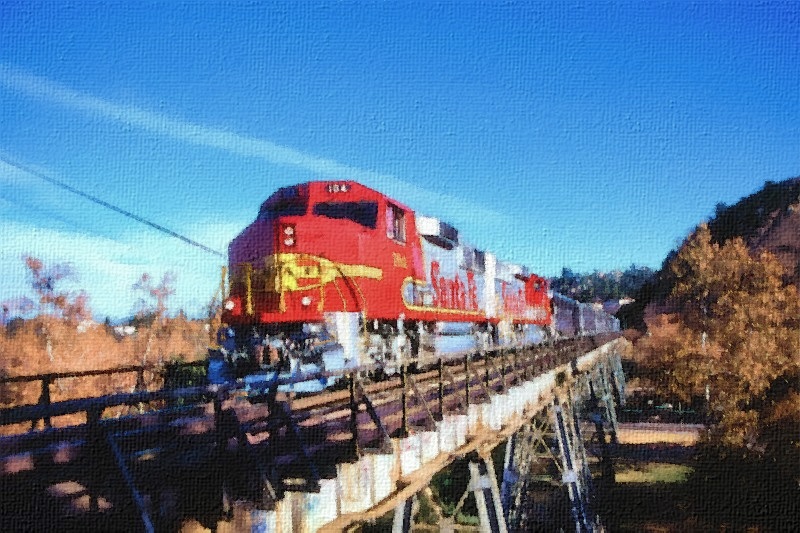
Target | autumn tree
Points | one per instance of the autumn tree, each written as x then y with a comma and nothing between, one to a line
15,308
53,300
734,333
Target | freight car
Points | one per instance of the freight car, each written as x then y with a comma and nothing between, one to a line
337,275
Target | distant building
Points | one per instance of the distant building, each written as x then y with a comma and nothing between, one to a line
124,331
85,325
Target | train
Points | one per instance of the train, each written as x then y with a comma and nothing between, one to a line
334,275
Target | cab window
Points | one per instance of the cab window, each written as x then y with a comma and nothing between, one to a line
363,213
395,223
285,202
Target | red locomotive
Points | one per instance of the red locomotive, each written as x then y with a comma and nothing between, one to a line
341,269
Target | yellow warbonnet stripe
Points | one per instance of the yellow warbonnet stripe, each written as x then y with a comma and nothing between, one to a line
248,281
293,267
361,271
442,310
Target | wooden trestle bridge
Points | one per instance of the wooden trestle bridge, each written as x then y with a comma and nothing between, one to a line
226,458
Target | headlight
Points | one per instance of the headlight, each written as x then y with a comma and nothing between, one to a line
288,241
306,301
229,305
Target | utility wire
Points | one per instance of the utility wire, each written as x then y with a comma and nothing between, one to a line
112,207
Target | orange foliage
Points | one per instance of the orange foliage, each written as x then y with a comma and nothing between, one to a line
735,330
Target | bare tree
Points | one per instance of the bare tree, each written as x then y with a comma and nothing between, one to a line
155,296
152,307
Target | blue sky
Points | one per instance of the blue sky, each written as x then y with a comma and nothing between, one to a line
587,135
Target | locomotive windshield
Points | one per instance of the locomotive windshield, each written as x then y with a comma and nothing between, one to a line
363,213
284,203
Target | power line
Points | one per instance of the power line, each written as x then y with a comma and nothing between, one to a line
112,207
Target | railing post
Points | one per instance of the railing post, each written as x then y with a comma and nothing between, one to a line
514,364
354,414
486,370
221,436
44,399
530,361
404,402
140,386
96,441
467,378
503,361
440,392
218,426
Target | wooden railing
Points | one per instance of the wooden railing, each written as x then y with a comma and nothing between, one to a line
45,409
48,379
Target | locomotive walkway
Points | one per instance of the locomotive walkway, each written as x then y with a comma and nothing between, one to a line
232,458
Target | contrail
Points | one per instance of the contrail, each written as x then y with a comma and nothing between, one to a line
159,124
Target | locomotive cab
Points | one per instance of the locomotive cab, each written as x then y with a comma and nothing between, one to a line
322,261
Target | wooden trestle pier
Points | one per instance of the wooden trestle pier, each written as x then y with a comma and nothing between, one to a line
226,458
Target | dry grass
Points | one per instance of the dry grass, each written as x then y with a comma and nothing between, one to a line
651,472
46,345
681,434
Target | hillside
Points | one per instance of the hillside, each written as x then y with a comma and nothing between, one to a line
767,220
